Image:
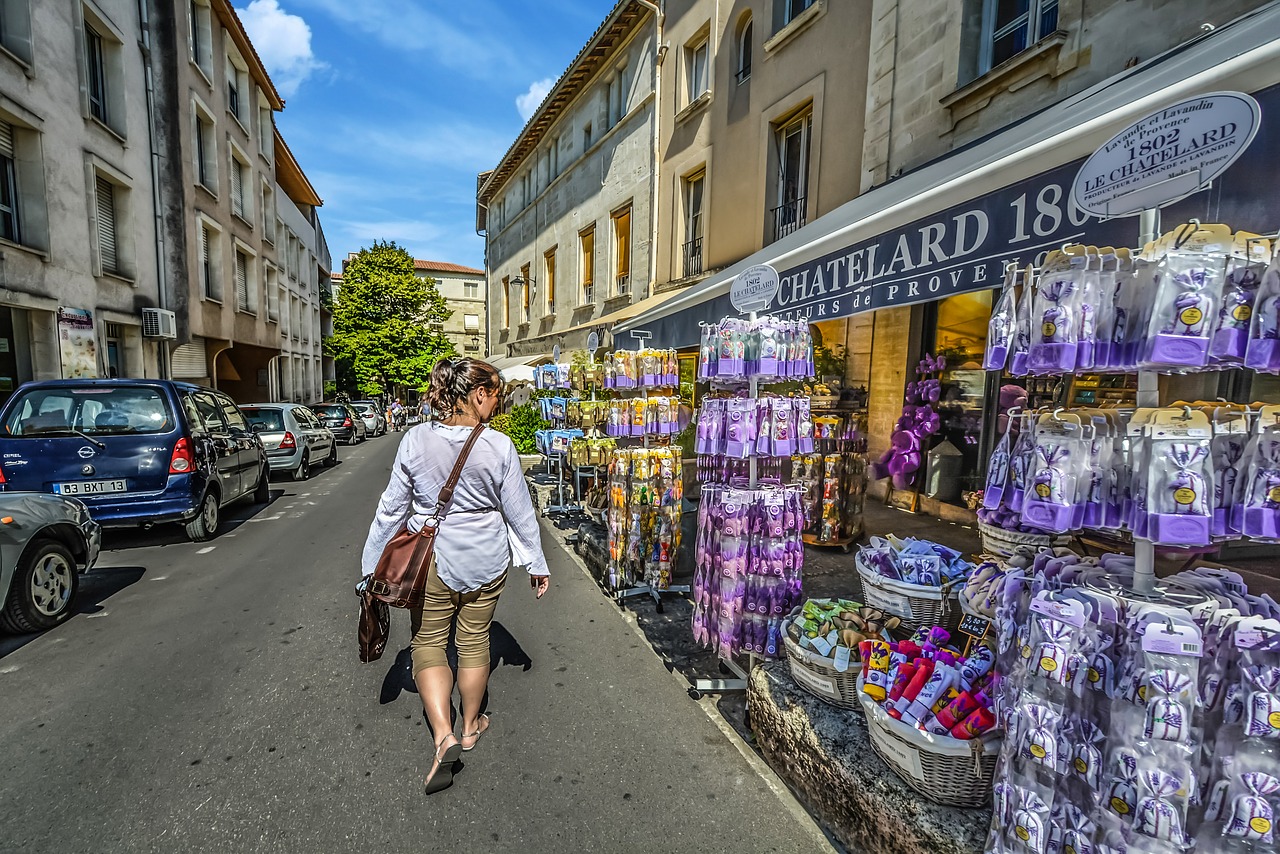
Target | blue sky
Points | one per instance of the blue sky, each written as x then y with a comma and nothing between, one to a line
393,106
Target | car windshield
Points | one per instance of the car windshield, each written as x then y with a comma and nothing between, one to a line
269,419
333,411
92,410
365,408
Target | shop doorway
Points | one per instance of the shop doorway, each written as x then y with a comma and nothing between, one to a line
114,351
15,363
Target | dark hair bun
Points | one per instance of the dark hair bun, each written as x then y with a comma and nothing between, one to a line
453,380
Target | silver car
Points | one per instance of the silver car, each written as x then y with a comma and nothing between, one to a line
46,542
375,420
294,438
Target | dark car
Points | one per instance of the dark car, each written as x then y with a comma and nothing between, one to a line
46,541
343,420
135,451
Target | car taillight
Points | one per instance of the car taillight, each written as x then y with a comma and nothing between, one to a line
288,442
181,461
2,480
347,422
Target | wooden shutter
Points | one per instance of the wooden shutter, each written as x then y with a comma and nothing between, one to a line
106,198
242,281
6,140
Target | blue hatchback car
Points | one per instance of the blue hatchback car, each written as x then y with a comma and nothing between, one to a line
136,452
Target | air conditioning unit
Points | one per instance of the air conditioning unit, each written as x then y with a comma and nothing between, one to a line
159,323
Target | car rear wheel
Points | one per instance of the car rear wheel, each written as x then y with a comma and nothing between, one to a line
262,492
43,588
303,471
332,459
205,525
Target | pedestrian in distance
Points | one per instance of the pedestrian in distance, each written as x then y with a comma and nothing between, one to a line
488,526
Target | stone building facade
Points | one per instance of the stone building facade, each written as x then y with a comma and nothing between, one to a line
463,289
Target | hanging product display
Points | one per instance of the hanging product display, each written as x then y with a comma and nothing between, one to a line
834,479
1176,476
748,561
1197,299
633,369
585,452
767,349
646,491
739,428
552,377
1135,723
647,416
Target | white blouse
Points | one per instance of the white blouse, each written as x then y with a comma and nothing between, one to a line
489,525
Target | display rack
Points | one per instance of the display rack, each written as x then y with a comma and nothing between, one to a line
653,591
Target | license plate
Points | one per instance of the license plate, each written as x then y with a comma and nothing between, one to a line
89,487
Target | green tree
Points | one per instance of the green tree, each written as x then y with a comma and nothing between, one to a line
382,323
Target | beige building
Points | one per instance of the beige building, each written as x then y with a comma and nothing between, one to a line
567,213
463,290
78,263
243,258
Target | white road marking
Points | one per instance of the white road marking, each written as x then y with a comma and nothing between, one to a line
99,614
206,550
9,668
159,578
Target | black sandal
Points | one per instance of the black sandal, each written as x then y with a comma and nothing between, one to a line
442,777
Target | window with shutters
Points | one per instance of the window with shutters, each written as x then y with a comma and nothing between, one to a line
268,213
272,283
15,28
200,33
237,85
95,62
205,147
210,259
241,183
105,201
622,250
587,263
266,130
242,281
102,71
549,275
10,220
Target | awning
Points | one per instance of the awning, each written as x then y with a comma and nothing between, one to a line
840,264
513,368
606,322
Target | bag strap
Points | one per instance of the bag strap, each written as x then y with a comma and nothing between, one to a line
446,491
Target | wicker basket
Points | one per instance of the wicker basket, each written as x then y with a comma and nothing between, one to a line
1002,543
815,674
916,604
945,770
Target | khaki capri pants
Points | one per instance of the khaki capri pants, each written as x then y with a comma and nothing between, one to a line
431,623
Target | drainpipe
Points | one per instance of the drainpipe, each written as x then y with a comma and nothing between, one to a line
659,53
162,277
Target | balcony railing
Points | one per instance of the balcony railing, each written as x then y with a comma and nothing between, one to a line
693,257
788,217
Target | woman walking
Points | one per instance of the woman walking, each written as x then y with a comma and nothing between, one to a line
489,525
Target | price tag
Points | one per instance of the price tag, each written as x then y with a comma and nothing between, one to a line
842,659
975,627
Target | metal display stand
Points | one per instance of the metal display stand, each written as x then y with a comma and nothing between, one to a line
557,504
655,593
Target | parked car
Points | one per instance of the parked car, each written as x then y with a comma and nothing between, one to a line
46,542
343,420
375,421
294,438
136,452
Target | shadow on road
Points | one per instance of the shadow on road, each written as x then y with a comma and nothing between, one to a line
233,516
96,587
504,649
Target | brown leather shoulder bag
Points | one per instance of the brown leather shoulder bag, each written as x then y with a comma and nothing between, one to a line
400,579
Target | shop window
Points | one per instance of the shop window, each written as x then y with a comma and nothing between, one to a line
792,141
694,187
587,263
959,326
1011,26
622,251
549,279
743,42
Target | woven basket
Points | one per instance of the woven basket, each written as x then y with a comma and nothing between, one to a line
945,770
916,604
1001,543
817,675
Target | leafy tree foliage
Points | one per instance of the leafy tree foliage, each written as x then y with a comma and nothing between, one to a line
382,333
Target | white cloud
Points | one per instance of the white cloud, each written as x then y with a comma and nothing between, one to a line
528,103
283,41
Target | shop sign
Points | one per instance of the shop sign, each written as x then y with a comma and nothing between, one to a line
1167,155
77,344
754,288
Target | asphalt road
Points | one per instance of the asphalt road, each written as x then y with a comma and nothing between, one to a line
209,698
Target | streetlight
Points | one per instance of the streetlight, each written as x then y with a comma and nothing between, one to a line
519,282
